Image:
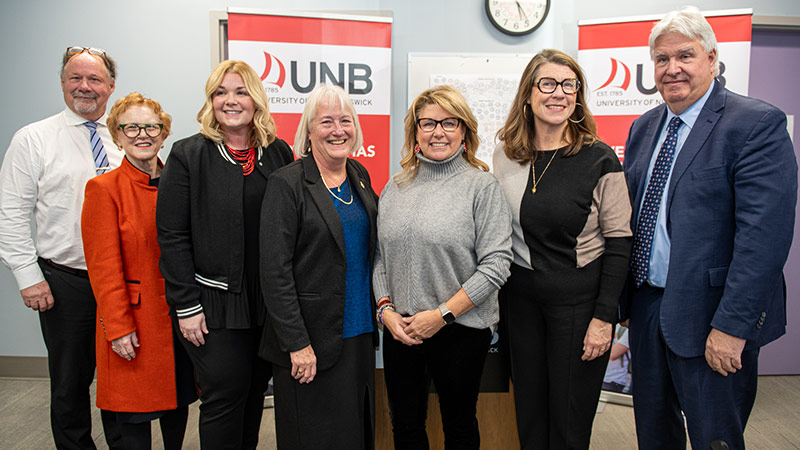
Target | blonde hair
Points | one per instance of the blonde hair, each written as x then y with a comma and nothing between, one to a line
136,99
263,128
518,133
451,100
323,93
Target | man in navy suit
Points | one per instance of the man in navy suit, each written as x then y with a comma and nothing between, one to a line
714,197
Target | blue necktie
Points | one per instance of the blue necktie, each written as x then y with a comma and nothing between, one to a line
643,242
98,152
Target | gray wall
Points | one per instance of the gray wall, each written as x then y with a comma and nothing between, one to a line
165,55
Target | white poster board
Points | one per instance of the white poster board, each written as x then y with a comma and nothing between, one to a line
487,81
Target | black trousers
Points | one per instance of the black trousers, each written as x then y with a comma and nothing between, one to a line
137,436
453,358
232,379
68,330
555,392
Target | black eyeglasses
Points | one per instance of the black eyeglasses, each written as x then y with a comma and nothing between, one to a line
133,130
77,50
448,124
549,85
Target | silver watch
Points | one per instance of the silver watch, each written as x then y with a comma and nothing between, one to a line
447,315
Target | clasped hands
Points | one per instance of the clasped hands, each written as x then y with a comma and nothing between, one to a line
413,329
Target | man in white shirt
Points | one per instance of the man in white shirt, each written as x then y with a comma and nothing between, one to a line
44,172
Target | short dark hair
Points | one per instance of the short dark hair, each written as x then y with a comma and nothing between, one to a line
111,66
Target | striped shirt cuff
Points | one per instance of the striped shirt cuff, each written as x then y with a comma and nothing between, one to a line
189,312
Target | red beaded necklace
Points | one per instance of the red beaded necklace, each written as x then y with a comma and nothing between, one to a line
246,158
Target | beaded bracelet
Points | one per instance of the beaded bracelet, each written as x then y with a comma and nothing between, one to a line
383,308
378,314
385,301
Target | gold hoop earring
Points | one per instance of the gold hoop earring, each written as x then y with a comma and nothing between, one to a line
527,112
584,115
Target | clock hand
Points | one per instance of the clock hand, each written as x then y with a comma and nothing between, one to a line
522,14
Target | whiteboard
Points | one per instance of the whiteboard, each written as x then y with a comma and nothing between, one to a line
488,82
422,65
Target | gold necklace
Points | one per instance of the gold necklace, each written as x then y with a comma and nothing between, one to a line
336,196
533,172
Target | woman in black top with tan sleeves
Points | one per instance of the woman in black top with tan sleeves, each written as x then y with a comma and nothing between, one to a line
571,241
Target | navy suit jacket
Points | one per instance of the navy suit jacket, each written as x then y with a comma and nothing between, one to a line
730,217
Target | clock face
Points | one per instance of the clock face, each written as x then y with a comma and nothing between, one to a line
517,17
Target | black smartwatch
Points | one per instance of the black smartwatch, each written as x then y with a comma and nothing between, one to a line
447,315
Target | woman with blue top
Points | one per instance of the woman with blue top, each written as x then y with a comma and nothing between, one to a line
317,244
444,233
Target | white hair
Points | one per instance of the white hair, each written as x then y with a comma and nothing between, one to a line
324,93
691,23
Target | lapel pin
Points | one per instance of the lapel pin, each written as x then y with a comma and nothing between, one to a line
362,185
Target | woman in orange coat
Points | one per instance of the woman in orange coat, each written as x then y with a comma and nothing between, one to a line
142,372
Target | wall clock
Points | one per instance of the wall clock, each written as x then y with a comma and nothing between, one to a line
517,17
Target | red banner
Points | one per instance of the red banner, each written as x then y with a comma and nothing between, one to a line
615,56
295,53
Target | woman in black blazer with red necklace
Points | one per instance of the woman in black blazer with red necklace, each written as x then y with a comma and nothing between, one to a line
317,246
208,218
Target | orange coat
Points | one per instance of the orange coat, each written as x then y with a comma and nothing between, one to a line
119,241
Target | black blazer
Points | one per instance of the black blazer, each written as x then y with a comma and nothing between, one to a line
200,217
303,261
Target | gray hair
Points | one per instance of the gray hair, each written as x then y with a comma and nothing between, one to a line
321,94
691,23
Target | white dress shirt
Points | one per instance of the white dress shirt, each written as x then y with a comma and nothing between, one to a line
44,172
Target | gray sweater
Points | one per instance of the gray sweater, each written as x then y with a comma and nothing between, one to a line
449,228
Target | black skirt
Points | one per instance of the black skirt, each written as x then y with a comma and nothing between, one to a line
335,411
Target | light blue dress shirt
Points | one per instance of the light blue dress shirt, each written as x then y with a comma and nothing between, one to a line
659,255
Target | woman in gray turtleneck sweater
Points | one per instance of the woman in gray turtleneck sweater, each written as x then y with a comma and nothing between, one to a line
444,241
